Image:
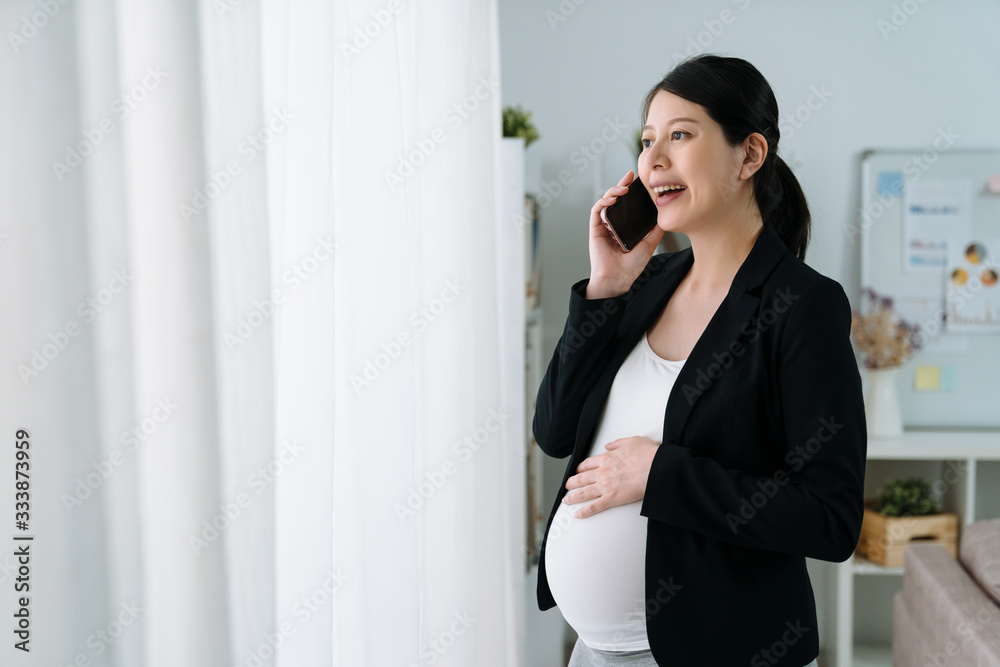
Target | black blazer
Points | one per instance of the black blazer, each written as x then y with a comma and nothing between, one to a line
761,463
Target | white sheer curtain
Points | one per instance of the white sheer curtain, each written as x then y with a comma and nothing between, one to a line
282,437
419,394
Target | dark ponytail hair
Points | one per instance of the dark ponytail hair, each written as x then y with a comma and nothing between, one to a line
738,97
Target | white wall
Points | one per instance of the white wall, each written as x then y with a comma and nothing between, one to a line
939,69
577,63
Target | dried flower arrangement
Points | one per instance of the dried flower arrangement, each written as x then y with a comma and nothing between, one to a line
884,341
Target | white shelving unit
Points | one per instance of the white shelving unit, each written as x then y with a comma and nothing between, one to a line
954,460
540,633
509,248
534,370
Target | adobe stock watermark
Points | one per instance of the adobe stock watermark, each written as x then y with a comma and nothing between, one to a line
59,340
772,654
932,325
562,521
958,296
463,450
788,123
249,149
796,459
130,439
223,8
103,638
899,17
425,147
420,319
801,114
898,528
303,610
635,621
438,645
7,569
969,627
912,168
714,28
294,277
581,158
574,339
561,13
258,481
752,329
30,25
363,35
122,106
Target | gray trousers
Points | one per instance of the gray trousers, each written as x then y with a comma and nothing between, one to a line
584,656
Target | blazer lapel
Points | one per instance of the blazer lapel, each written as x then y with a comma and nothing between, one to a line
723,330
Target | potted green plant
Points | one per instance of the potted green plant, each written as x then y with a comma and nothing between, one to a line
517,123
904,511
906,497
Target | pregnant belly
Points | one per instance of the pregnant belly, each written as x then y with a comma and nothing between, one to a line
595,567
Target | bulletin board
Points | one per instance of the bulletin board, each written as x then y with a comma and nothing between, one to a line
929,227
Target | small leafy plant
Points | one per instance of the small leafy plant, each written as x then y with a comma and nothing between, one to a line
906,497
517,123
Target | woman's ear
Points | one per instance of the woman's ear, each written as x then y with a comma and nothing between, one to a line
755,151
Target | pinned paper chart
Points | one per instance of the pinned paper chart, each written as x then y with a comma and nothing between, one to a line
973,295
934,210
926,308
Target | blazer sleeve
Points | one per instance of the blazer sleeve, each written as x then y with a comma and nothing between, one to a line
815,506
580,356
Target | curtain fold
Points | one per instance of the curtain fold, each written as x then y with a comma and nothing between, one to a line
306,247
419,490
105,222
238,131
181,497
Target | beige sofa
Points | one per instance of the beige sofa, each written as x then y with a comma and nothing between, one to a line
948,612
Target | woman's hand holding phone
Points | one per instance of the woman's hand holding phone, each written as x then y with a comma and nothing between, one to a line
612,271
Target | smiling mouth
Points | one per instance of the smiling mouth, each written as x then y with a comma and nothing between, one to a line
668,196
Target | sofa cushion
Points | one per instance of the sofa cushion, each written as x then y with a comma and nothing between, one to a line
909,639
979,553
951,611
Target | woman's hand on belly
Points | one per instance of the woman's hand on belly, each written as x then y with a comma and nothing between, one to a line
612,479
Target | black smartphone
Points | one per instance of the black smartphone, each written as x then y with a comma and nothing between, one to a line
632,217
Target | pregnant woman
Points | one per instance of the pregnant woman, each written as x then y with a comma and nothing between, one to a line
709,400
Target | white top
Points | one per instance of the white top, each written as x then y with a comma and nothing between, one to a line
596,566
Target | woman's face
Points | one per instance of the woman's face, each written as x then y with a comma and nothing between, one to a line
683,145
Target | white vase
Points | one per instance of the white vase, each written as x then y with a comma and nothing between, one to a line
882,412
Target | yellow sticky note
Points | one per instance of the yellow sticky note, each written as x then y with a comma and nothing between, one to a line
927,378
